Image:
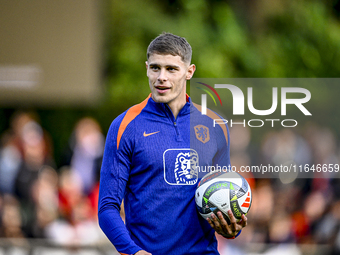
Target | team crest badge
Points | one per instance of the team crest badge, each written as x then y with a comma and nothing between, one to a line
202,133
180,166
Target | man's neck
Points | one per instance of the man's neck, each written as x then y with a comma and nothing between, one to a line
177,105
176,109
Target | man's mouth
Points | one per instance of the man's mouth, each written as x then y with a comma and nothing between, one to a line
162,89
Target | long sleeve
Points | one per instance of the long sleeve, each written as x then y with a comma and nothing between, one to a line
114,175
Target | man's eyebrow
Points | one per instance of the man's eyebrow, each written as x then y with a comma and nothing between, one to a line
156,64
173,66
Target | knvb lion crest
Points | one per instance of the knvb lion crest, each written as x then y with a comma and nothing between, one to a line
180,166
186,168
202,133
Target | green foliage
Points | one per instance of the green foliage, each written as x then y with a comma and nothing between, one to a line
298,39
230,39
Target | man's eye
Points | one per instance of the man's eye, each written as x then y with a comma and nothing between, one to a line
171,69
154,67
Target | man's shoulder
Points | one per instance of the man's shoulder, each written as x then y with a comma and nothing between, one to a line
209,117
129,115
125,123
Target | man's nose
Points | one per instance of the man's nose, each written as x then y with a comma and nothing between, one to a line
162,75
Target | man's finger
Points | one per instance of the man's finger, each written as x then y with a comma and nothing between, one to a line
222,220
232,218
216,222
210,222
244,221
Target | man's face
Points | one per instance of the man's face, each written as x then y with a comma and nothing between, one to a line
167,78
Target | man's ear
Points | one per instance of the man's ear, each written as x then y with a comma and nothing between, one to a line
191,71
147,67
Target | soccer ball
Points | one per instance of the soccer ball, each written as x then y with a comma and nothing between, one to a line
222,192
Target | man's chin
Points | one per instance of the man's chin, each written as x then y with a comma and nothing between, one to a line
160,99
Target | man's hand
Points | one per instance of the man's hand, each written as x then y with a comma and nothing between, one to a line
142,252
221,226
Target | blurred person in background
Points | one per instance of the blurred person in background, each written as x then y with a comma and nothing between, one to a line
85,153
280,147
70,192
11,225
85,224
327,231
11,150
45,198
77,222
69,195
308,216
324,146
36,153
262,209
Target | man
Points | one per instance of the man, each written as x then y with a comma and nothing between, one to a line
151,161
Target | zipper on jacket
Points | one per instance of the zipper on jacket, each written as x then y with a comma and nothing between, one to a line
174,121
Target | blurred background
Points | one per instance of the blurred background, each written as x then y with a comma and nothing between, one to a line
68,68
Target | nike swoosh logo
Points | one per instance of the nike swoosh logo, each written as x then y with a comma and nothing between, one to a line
145,134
